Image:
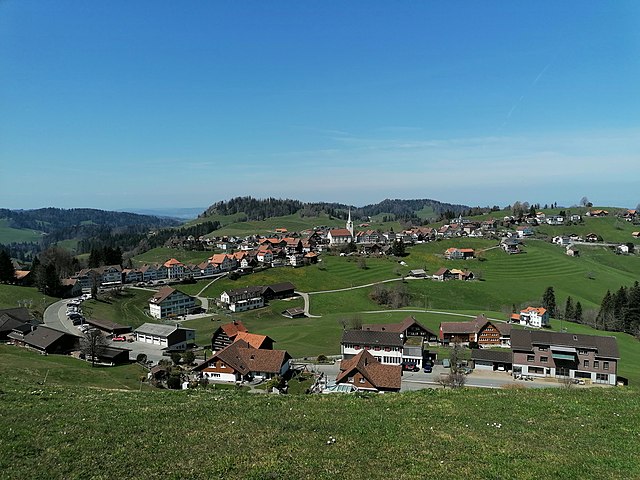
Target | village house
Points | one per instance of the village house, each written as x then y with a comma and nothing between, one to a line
242,299
510,245
459,253
536,317
555,220
240,362
491,359
175,269
591,358
524,231
170,337
11,318
389,348
597,213
444,274
367,373
170,302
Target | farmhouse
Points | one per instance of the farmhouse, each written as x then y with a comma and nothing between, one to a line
44,339
169,302
168,336
484,332
240,361
367,373
11,318
553,354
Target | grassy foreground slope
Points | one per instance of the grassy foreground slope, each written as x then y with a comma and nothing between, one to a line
75,432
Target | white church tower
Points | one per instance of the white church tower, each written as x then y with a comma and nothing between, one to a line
350,224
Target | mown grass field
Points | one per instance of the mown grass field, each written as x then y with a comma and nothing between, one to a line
442,434
9,234
127,309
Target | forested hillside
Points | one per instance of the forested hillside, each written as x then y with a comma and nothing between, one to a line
260,209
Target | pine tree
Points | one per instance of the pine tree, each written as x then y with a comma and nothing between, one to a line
569,311
577,314
549,301
7,271
605,315
632,312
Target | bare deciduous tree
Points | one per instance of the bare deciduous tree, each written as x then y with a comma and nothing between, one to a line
93,344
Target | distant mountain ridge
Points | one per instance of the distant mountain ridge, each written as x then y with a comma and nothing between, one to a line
261,209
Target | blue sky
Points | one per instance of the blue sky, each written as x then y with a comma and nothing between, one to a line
123,104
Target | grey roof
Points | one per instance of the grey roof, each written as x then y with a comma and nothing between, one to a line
156,329
606,346
44,337
504,356
19,313
370,337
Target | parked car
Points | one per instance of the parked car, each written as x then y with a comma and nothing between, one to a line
465,370
428,368
410,367
119,339
446,363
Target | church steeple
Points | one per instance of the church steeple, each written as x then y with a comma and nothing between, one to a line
350,223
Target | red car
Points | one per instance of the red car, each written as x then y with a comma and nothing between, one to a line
119,339
410,367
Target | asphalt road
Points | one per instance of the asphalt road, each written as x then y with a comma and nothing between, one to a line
55,317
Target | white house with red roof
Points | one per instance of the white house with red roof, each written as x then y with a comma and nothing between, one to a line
534,317
342,236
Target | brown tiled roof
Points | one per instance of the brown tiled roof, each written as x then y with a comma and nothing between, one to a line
395,327
244,359
458,327
171,262
162,294
606,346
231,329
378,375
340,232
254,340
441,271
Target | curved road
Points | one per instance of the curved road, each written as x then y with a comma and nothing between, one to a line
55,317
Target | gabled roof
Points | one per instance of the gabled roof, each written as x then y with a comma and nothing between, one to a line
244,359
280,287
232,329
172,263
162,294
605,346
156,329
396,327
379,375
340,232
373,338
254,340
539,310
43,337
504,356
441,271
19,313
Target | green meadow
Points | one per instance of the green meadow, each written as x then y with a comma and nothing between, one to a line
9,234
203,434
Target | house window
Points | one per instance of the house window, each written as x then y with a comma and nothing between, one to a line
596,364
602,377
361,380
543,349
387,349
605,365
585,364
350,379
583,352
356,347
544,359
530,358
377,349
